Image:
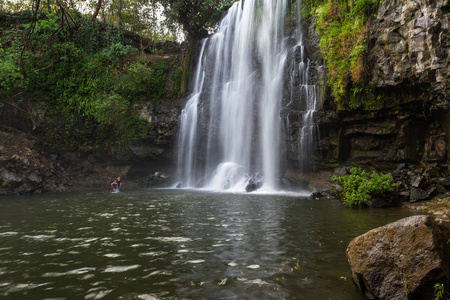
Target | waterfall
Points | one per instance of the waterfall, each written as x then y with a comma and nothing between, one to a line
302,103
308,132
188,138
231,129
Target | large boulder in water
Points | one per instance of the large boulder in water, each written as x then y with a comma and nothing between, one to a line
402,260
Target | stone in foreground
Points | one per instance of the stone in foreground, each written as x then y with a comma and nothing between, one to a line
402,260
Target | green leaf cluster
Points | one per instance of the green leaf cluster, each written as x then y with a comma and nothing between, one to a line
439,292
359,187
10,76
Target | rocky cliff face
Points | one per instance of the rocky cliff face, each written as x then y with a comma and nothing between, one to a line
304,64
408,65
410,46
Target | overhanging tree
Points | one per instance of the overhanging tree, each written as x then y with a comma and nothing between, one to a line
197,17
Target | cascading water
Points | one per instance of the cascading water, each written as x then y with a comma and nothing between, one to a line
231,129
188,138
308,132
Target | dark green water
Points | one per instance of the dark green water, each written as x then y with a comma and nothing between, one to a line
166,244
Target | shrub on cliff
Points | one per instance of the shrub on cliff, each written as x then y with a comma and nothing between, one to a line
360,187
343,43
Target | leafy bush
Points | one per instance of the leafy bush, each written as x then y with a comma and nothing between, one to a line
10,76
358,188
117,51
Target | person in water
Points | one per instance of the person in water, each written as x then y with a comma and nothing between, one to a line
114,185
119,184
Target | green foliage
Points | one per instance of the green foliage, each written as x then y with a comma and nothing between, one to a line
89,35
142,17
116,52
439,291
342,27
159,75
359,187
85,79
310,6
196,16
218,13
138,79
155,19
177,89
10,76
46,24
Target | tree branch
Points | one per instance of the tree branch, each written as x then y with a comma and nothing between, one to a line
65,11
31,31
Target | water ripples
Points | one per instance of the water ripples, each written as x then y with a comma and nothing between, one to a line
167,245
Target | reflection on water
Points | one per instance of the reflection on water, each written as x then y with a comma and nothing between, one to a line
160,244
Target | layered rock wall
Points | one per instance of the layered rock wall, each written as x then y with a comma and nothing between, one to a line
411,46
408,66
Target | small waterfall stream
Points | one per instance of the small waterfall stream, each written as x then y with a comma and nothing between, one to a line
308,133
231,129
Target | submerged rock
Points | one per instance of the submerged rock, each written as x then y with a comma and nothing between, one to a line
253,185
317,195
379,202
158,179
402,260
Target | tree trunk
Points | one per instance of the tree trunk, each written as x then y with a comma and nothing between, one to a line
97,9
119,12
